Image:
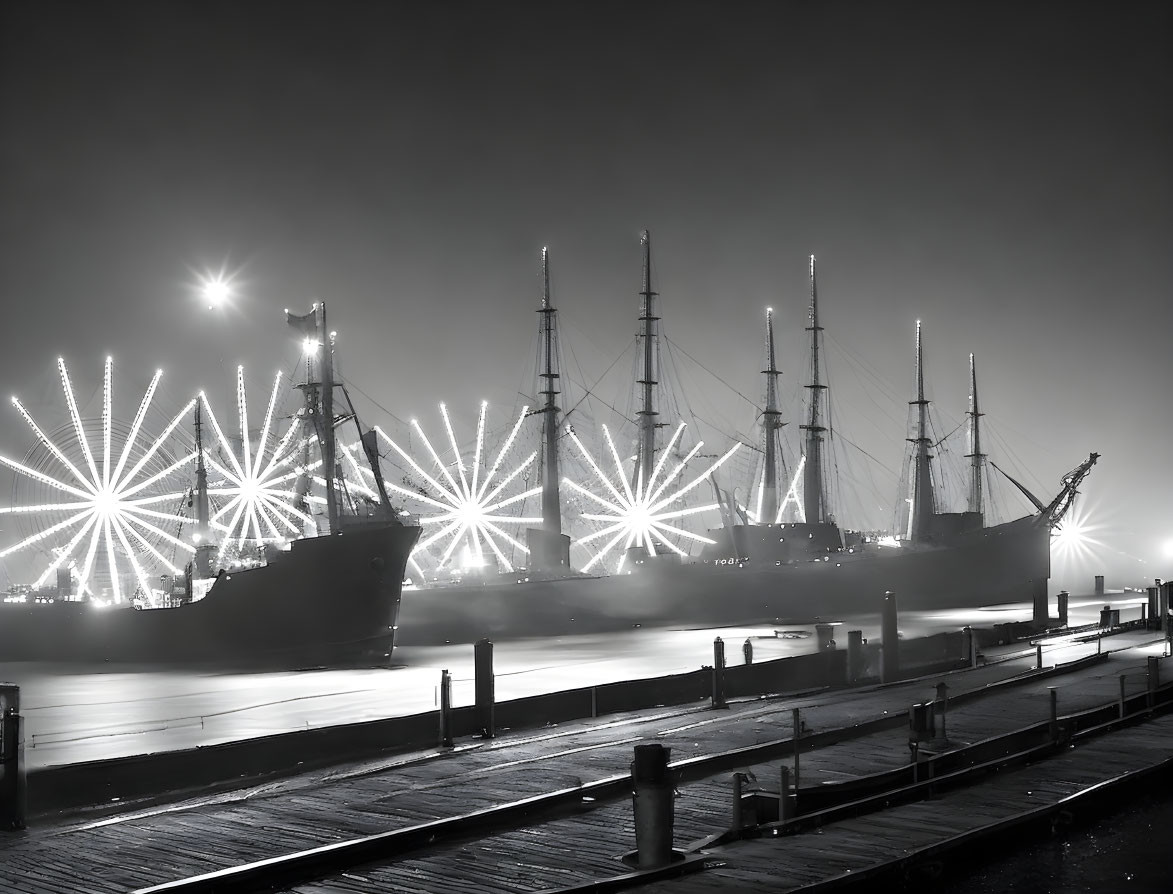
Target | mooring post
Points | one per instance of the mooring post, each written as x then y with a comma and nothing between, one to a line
1038,656
825,636
485,687
13,792
854,655
652,802
747,651
719,673
740,818
785,805
889,640
968,646
1064,599
1122,696
445,709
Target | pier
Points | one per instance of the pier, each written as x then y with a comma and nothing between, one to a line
880,778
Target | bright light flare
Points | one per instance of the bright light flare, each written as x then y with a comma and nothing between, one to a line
639,516
112,514
467,506
216,290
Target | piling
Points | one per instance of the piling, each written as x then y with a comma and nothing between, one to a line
1064,597
889,640
1099,585
825,636
485,687
796,722
719,673
1040,612
1123,697
741,817
1153,671
445,709
968,646
1054,727
13,779
1039,656
1163,606
854,656
653,790
747,651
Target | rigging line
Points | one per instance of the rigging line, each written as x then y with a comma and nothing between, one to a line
709,371
589,390
851,443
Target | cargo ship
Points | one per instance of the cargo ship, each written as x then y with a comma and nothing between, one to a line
329,599
760,569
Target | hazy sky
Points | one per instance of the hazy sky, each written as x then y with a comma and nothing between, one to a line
1000,171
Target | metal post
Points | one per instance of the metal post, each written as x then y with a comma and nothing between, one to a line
486,688
13,791
796,721
445,709
1153,672
1064,599
943,701
738,818
1122,697
1038,656
854,655
747,651
1054,690
652,802
785,805
719,673
889,640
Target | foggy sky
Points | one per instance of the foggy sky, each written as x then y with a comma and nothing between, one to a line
999,171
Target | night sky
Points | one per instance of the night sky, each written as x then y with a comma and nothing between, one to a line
999,171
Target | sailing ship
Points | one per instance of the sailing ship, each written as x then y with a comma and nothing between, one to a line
330,599
763,570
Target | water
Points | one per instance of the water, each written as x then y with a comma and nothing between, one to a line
1128,851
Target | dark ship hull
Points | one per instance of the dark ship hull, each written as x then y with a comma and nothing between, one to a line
1006,563
329,601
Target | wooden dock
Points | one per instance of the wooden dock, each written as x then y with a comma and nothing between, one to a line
577,842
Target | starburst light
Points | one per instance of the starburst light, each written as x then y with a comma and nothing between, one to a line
254,497
639,515
111,505
468,511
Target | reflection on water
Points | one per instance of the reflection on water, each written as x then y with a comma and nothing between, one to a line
1127,851
77,713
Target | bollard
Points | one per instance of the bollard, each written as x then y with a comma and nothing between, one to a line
824,636
889,640
13,791
445,709
1122,697
486,688
854,655
1054,728
719,673
1099,585
747,651
785,800
968,646
1064,598
1039,656
652,802
1106,617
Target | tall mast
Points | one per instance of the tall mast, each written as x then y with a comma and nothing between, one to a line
975,455
326,432
814,500
647,414
201,478
922,497
551,511
770,425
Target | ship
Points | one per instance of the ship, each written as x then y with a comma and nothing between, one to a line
328,599
763,570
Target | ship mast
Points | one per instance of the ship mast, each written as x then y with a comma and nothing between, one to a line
922,508
202,528
975,455
814,499
319,398
770,426
647,414
551,511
